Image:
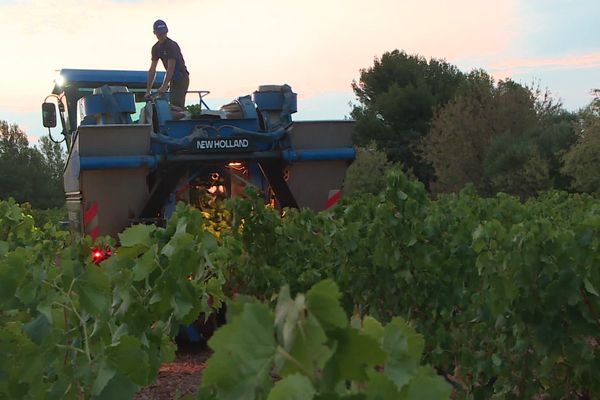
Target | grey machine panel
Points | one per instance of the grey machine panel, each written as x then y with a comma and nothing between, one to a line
118,194
114,140
313,182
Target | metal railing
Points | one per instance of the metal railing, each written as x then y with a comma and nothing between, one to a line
201,95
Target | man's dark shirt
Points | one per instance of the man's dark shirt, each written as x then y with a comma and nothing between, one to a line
169,49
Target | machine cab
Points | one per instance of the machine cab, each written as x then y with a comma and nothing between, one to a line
71,85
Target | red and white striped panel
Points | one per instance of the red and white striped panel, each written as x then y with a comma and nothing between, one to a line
334,197
90,220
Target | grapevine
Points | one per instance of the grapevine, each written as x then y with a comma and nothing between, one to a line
505,293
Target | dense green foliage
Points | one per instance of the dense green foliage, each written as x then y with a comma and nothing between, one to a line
30,174
308,342
582,162
366,174
505,292
70,329
195,110
55,216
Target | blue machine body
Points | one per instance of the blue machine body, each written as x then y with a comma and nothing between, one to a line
75,84
103,106
253,129
129,158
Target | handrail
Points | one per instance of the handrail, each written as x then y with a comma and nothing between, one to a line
201,94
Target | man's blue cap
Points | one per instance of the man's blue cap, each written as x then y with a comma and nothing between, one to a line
160,26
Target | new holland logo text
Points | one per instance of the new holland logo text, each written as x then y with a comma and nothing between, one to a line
215,144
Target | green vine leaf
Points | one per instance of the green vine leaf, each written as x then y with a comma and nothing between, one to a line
244,354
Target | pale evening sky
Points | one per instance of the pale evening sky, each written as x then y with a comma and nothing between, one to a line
316,46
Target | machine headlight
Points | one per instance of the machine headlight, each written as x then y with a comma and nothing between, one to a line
59,80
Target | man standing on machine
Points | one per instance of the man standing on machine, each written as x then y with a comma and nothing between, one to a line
177,77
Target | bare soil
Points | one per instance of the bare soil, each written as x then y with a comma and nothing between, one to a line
180,377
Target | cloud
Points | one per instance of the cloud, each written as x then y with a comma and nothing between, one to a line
517,66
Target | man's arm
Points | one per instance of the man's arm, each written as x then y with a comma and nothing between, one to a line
151,75
170,70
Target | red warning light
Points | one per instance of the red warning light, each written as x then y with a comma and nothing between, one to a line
99,255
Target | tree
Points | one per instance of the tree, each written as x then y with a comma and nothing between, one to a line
12,139
53,160
530,163
397,97
28,174
15,161
500,137
460,134
582,161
